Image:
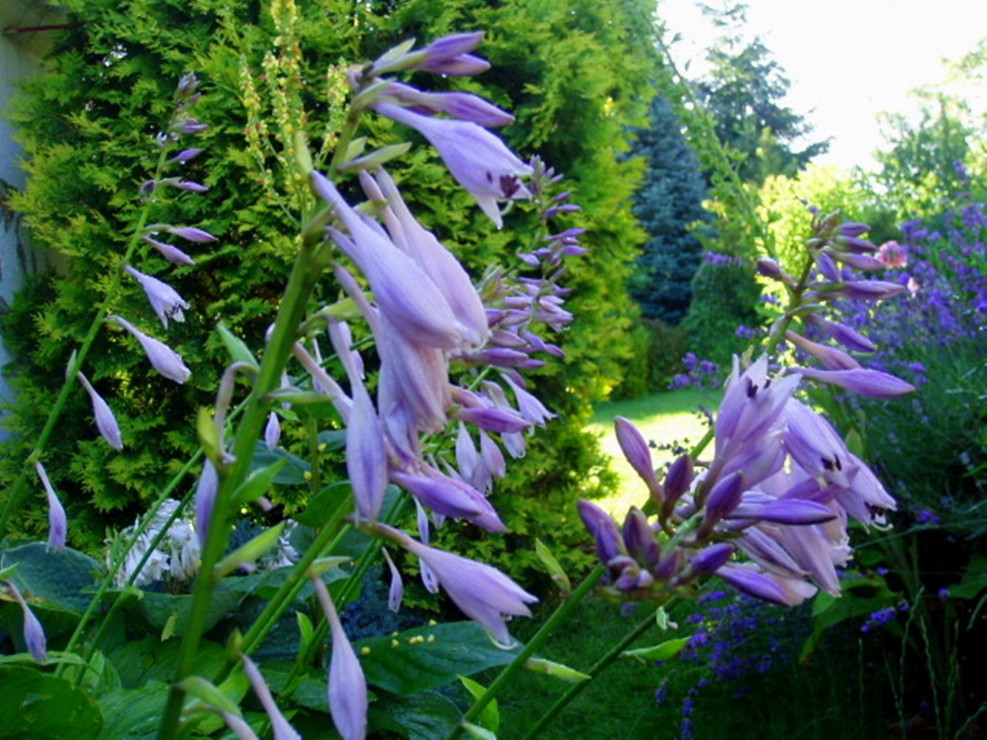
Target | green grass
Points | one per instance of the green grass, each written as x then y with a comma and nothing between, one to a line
663,418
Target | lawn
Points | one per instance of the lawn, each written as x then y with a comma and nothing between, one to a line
664,419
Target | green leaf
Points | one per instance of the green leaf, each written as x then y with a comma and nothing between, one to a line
258,483
208,694
133,713
490,716
663,651
428,657
158,608
250,551
556,670
38,705
859,597
425,716
237,349
61,577
140,662
208,434
974,579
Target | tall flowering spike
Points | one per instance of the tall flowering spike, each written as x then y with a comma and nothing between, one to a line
347,685
57,521
279,725
477,159
164,299
106,423
404,292
482,592
162,357
34,634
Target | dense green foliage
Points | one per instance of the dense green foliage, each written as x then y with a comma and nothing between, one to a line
87,124
669,205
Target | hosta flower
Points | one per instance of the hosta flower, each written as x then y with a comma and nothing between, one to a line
477,159
57,521
169,251
165,301
279,725
34,634
347,685
162,357
106,423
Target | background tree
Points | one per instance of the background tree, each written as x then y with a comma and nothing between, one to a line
669,206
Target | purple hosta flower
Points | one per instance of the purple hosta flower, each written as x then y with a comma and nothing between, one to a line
187,185
531,409
867,290
477,159
191,233
859,261
348,700
165,301
186,155
609,542
170,252
830,357
448,496
815,445
279,725
482,592
366,453
404,293
751,406
272,431
438,262
450,55
866,382
57,521
395,594
750,579
892,254
205,500
469,463
845,335
637,453
106,423
34,634
459,105
162,357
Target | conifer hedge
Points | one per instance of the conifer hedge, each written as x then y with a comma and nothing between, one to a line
576,75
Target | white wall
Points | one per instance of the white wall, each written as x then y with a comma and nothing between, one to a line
20,55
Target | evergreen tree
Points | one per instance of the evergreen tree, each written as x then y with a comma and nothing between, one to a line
669,207
743,91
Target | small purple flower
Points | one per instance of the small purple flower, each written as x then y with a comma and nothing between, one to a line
395,594
170,252
191,233
162,357
279,725
637,453
477,159
272,431
205,500
57,521
165,301
34,633
106,423
866,382
348,700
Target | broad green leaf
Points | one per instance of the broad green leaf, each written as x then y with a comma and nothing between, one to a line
292,471
859,597
490,716
61,577
556,670
258,483
663,651
139,662
428,657
424,716
158,608
38,705
133,713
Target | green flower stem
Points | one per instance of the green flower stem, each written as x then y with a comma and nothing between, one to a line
304,275
20,485
558,617
609,657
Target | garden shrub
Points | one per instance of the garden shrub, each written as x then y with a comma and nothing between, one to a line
87,125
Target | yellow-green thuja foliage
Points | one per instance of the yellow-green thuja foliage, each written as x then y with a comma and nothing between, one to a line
575,73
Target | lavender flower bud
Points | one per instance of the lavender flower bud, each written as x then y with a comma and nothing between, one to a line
609,543
164,299
395,594
870,383
205,500
767,586
191,233
170,252
34,634
711,558
636,451
186,155
845,335
57,521
272,431
830,357
106,423
187,185
279,725
164,359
